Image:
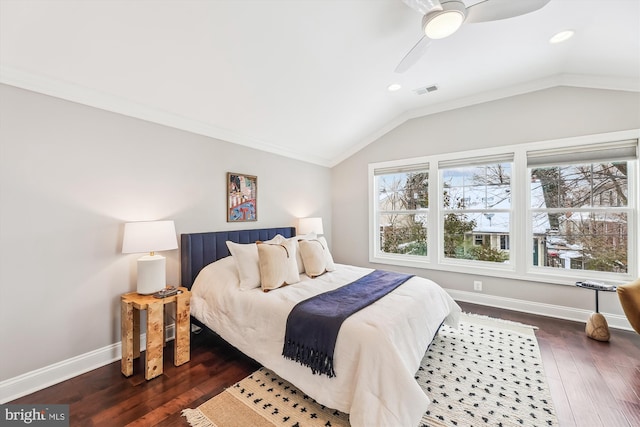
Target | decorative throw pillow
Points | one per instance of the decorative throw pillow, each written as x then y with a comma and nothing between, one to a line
313,257
246,259
278,264
295,239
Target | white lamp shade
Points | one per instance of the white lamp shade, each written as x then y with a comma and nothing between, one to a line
149,236
310,225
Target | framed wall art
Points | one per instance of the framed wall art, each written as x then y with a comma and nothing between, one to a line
242,197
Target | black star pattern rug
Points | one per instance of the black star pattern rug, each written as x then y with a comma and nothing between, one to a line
487,372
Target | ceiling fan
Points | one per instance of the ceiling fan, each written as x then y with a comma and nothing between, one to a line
444,17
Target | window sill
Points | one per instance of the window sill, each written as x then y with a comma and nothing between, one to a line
542,275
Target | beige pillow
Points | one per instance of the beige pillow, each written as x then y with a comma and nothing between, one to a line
245,256
309,236
315,261
278,266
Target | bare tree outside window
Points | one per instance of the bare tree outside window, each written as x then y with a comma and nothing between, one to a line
403,201
548,211
581,218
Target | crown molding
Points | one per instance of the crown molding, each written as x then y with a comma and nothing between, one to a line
94,98
91,97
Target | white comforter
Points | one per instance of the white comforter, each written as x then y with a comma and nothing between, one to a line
377,352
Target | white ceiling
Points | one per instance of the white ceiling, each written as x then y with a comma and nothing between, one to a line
302,78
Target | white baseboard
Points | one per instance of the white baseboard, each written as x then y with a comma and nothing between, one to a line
560,312
33,381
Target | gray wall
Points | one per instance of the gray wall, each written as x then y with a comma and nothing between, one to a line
544,115
71,176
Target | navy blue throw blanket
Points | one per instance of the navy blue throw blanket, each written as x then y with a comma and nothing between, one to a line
313,324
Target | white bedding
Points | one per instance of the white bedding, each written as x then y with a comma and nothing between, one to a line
377,352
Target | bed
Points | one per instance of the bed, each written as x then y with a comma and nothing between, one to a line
378,349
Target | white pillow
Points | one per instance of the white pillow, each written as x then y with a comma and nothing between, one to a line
331,266
278,238
245,256
278,264
246,259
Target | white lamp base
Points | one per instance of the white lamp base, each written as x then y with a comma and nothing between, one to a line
151,274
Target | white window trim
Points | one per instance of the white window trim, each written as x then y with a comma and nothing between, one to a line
374,241
521,250
486,157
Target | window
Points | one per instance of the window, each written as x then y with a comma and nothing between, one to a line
580,209
402,210
527,211
504,242
476,208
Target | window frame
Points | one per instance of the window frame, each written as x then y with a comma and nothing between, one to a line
629,211
375,250
521,236
484,160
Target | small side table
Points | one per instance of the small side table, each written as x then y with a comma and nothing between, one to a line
597,327
130,305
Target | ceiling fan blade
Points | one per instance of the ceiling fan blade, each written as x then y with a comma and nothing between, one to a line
494,10
423,6
413,55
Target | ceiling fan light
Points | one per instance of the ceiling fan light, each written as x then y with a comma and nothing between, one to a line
439,24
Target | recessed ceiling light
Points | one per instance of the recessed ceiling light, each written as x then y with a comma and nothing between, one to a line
394,87
561,36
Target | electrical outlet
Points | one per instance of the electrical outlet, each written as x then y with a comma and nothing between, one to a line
477,285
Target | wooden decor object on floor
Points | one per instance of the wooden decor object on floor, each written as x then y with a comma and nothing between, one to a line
597,327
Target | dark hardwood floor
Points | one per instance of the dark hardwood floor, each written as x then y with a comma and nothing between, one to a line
592,383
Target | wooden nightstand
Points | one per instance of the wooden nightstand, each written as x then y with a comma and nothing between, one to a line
131,304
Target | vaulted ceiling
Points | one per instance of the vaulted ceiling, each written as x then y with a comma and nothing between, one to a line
307,78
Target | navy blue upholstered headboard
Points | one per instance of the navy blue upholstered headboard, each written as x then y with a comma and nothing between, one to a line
198,250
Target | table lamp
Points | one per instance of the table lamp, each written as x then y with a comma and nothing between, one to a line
310,225
150,236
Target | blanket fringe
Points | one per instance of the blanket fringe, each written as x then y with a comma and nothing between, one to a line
196,418
320,363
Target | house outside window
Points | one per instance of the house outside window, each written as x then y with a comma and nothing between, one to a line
504,241
476,208
582,220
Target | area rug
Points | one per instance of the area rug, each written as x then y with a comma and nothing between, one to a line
487,372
